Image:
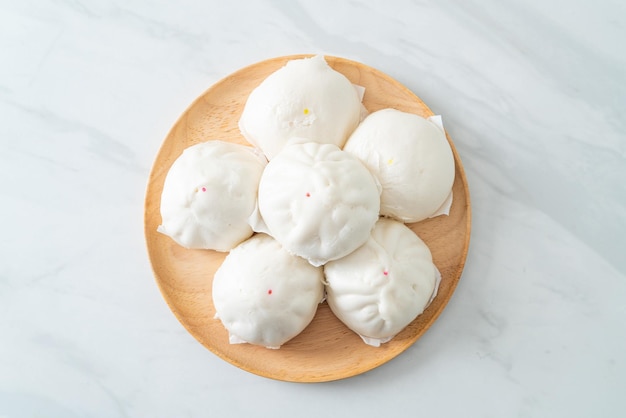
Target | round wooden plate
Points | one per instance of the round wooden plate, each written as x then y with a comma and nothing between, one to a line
326,350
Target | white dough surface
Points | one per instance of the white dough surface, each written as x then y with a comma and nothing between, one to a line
306,99
318,201
265,296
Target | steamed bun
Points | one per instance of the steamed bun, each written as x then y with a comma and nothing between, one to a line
307,99
411,158
384,285
265,296
318,201
208,195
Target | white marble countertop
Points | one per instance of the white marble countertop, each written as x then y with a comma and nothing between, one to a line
533,95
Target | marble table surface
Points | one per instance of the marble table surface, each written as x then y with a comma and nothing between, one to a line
533,94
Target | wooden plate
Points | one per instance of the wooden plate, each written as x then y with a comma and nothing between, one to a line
326,350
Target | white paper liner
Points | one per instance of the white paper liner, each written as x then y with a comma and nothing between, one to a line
360,90
444,209
363,113
233,339
256,222
437,120
376,342
436,289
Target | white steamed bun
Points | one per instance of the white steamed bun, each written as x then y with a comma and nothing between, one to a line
411,158
209,193
318,201
307,99
384,285
265,296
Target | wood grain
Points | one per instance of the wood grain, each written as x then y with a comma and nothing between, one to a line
326,350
